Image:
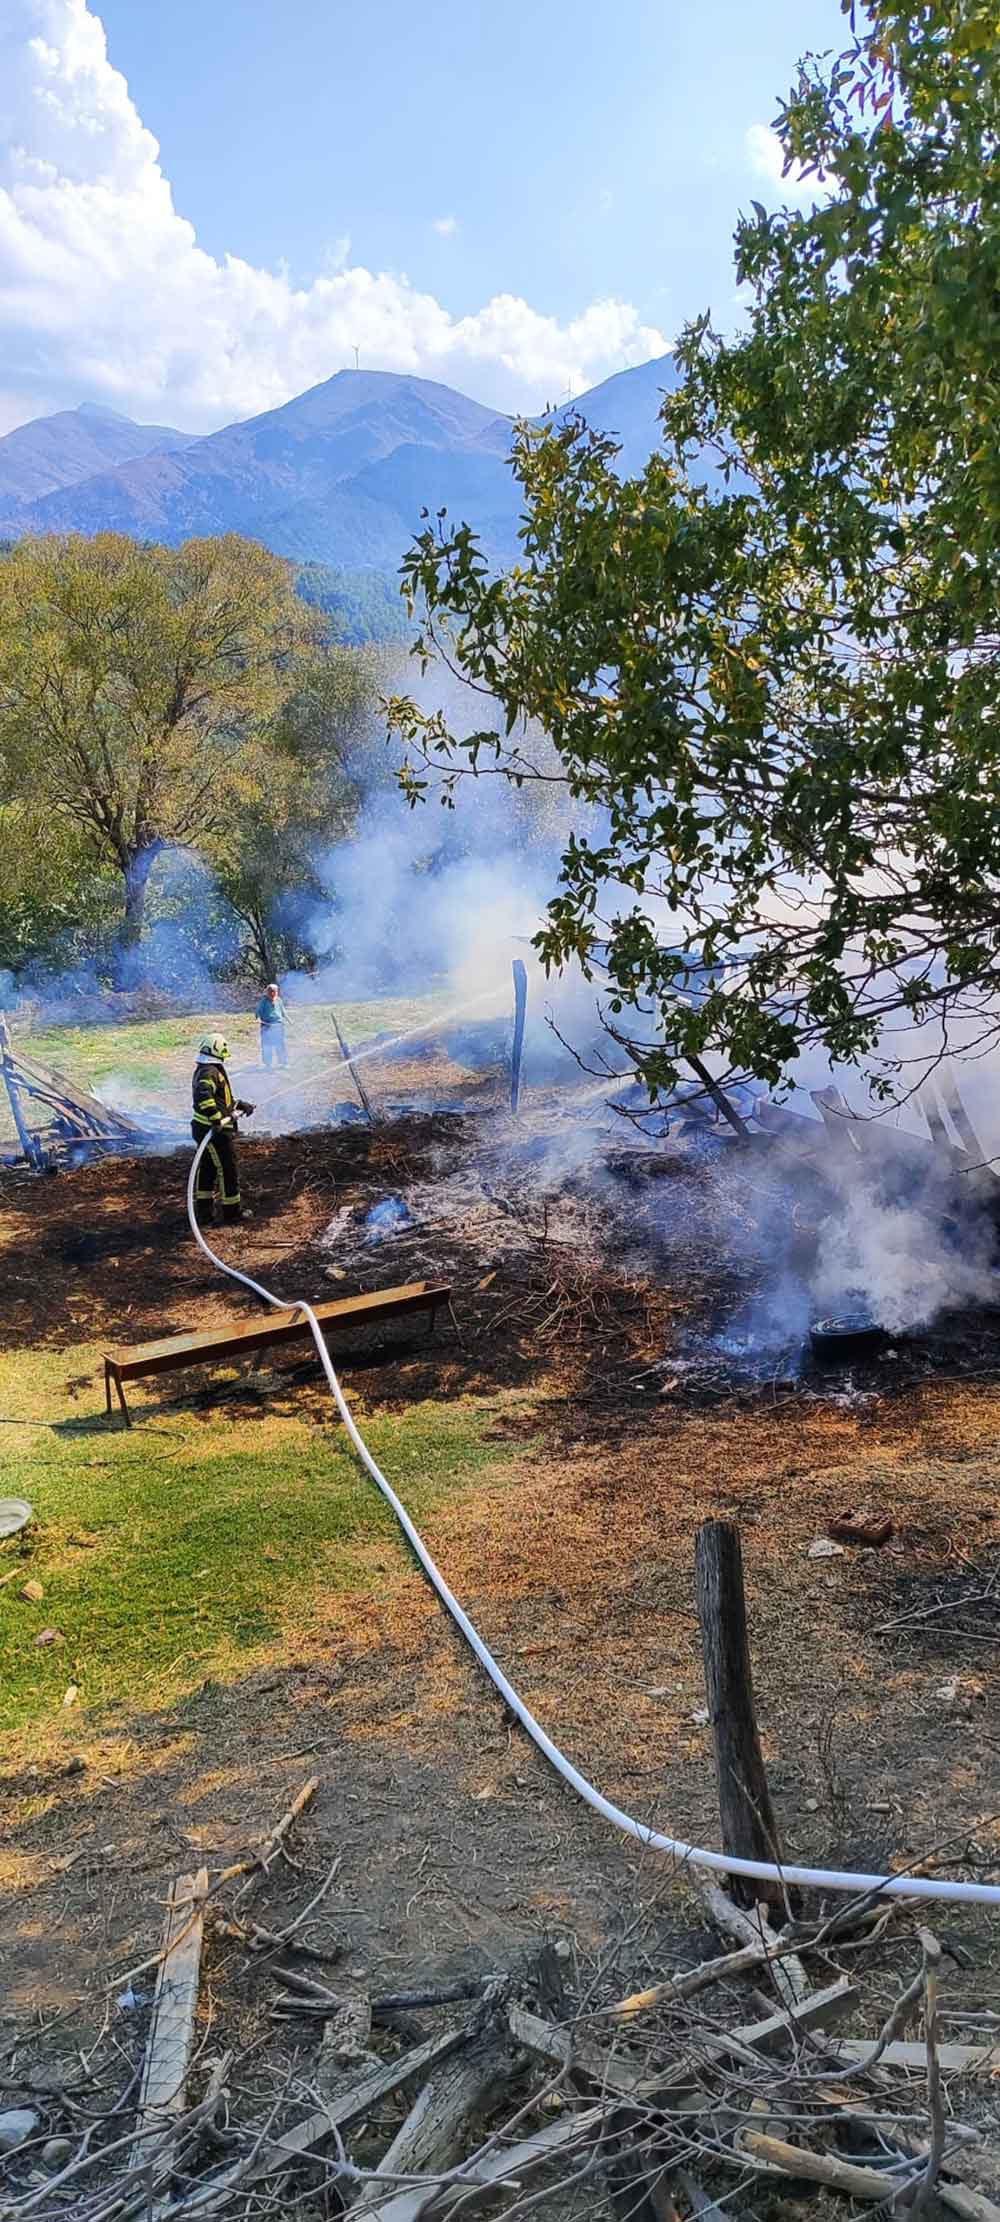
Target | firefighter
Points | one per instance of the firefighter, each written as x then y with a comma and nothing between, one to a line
214,1109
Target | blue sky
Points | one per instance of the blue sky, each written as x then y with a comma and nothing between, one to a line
570,158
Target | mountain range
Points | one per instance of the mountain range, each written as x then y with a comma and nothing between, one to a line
338,476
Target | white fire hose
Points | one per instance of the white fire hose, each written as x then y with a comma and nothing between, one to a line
809,1878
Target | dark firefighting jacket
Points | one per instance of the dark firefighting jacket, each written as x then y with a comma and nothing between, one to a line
212,1098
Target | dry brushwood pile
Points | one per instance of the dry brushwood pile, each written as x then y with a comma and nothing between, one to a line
537,2084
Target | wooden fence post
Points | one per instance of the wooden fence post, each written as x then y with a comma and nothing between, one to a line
749,1830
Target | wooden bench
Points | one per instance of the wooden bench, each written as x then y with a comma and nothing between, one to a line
245,1336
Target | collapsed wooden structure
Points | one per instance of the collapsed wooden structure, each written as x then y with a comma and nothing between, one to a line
58,1121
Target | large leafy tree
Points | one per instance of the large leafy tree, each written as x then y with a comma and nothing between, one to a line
272,863
138,686
777,682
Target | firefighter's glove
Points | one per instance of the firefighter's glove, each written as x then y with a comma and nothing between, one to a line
246,1108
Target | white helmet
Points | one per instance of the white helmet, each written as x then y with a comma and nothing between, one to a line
215,1045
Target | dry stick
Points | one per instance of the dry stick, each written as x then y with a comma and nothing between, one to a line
249,1867
726,1964
935,2102
790,1979
261,1862
776,2157
261,1942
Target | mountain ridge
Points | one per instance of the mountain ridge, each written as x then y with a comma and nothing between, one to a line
338,475
50,454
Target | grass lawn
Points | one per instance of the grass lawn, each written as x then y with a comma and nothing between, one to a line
184,1548
149,1061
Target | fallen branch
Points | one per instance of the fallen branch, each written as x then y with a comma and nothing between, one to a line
789,1975
800,2161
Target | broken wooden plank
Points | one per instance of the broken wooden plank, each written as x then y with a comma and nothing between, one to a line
954,2059
960,1119
353,2103
433,2134
564,2048
574,2133
175,2003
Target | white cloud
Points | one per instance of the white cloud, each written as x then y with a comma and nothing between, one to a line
766,157
445,226
106,295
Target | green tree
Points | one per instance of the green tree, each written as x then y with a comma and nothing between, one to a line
270,865
55,902
137,685
781,690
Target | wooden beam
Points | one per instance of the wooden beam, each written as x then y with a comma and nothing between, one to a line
749,1828
720,1099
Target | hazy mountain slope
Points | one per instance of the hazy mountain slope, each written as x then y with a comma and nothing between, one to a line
248,476
340,474
68,448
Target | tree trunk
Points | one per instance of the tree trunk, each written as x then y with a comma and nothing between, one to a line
136,871
259,936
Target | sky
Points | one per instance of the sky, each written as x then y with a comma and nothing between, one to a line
207,205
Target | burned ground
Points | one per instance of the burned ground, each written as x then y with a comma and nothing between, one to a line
576,1564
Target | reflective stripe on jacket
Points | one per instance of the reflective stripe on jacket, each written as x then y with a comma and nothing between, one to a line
213,1101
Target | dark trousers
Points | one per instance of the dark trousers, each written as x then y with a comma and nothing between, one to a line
218,1173
272,1044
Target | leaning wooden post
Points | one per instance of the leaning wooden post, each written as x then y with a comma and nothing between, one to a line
520,972
749,1830
31,1148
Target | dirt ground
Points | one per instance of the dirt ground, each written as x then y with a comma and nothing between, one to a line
454,1837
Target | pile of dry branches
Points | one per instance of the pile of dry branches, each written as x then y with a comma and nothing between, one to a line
536,2085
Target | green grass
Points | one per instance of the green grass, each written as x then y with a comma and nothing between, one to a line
148,1062
190,1546
142,1049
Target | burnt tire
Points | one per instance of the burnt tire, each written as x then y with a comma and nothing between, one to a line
836,1340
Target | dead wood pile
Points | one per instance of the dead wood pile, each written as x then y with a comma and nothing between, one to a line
536,2085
